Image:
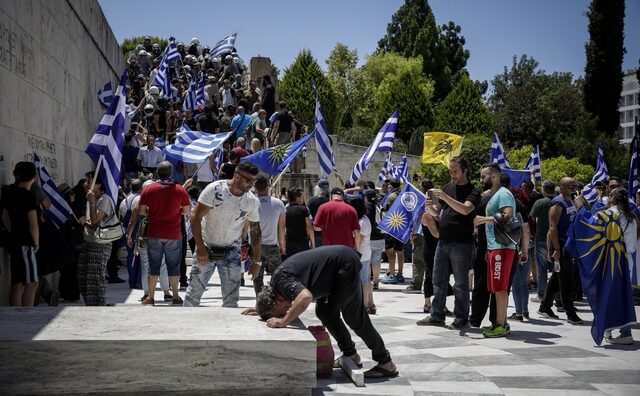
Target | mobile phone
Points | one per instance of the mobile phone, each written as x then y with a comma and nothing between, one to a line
574,195
432,197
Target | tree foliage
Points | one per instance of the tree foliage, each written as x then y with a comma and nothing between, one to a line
603,70
413,32
129,44
296,90
343,75
558,167
462,112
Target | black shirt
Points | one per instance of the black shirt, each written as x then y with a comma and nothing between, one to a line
227,171
454,226
296,223
18,202
314,204
372,209
208,123
285,121
317,270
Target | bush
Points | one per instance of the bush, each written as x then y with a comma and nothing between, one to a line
558,167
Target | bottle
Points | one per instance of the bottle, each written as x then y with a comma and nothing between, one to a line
556,266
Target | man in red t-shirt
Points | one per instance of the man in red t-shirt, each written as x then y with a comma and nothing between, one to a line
338,222
165,202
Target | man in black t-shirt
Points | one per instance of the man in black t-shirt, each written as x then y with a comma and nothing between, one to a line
332,275
456,208
283,127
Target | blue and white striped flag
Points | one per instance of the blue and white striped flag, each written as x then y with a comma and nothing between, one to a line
634,184
162,79
602,173
497,154
193,147
401,172
382,142
387,167
59,212
219,158
323,140
160,143
224,46
534,163
105,95
200,97
190,97
106,143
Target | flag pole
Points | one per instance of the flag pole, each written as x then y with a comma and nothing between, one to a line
280,175
93,182
204,162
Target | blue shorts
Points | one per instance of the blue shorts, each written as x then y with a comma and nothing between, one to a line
171,249
365,272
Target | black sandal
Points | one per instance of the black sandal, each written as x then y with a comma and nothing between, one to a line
379,372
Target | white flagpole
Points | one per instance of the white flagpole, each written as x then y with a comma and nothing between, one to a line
95,176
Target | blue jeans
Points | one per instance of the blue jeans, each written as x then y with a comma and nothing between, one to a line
543,266
229,270
170,249
451,258
144,270
520,286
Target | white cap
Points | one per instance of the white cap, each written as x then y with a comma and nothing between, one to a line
154,90
195,41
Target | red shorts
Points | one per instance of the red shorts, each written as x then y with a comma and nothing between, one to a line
499,264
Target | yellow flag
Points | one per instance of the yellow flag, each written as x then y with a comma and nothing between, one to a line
440,147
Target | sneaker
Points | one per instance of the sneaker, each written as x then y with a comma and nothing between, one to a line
458,324
474,324
573,319
485,328
547,313
560,309
525,315
507,327
399,278
430,321
536,299
411,289
376,286
184,285
447,312
620,340
496,331
515,316
389,279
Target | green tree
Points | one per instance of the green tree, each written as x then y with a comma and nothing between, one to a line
462,112
518,157
558,167
295,89
475,149
603,70
413,32
129,44
343,75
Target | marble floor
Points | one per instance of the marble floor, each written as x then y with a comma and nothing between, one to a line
541,356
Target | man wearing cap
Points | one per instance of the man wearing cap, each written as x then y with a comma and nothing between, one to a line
338,222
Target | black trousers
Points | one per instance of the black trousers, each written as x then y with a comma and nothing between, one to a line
347,300
562,282
113,263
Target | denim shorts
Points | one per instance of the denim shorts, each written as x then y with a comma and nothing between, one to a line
365,272
171,249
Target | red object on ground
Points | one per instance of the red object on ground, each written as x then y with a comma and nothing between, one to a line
325,354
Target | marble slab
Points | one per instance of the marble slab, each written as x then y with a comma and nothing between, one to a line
144,350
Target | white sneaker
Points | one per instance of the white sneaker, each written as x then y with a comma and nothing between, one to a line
619,340
536,299
607,335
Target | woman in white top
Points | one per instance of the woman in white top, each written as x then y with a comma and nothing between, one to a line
365,251
619,202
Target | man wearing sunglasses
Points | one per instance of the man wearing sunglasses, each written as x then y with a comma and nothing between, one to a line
217,222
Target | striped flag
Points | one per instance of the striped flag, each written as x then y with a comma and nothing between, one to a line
224,46
162,79
193,147
160,143
200,98
219,158
105,146
402,170
387,167
323,140
105,95
59,212
190,97
382,142
634,184
497,154
602,173
534,163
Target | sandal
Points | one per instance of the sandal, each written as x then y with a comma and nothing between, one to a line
379,372
177,301
372,310
426,308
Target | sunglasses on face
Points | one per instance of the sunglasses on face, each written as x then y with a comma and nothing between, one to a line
250,181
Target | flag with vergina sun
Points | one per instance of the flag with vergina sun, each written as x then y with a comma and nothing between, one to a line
596,241
404,213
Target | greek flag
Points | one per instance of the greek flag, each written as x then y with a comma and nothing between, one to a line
224,46
193,147
105,146
634,184
219,158
323,140
105,95
190,97
534,163
602,173
497,154
402,170
387,167
59,212
160,143
200,98
382,142
162,79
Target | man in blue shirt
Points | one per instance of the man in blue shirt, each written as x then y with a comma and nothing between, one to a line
240,122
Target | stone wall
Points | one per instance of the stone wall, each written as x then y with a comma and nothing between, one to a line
54,56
